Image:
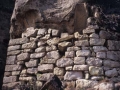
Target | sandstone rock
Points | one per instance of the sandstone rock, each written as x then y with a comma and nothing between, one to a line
31,63
111,64
45,68
111,73
13,67
53,55
114,55
14,52
94,35
48,61
113,45
101,54
84,84
51,48
59,71
83,53
15,73
10,60
79,60
23,56
18,41
87,31
99,48
69,68
64,62
92,61
10,79
70,54
55,32
96,41
37,55
44,77
82,43
73,48
95,70
69,37
30,32
105,35
63,45
32,70
71,75
40,49
30,45
53,41
81,67
13,48
41,43
26,78
42,32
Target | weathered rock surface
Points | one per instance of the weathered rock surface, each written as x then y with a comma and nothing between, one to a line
45,68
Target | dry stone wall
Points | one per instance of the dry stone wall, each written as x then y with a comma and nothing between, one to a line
79,60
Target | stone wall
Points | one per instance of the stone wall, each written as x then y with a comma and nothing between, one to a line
80,61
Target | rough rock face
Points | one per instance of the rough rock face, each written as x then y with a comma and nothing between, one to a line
59,14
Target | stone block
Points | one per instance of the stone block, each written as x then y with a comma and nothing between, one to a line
113,45
53,41
83,53
105,35
15,73
30,45
44,77
48,61
31,63
32,70
70,54
114,55
6,74
95,70
23,56
13,68
79,60
96,41
80,67
18,41
99,49
14,52
80,37
82,43
37,55
41,43
97,78
88,31
64,62
45,68
69,37
42,32
11,60
40,49
111,73
9,79
59,71
51,48
73,75
69,68
64,35
30,32
55,32
101,54
30,78
28,50
73,48
111,64
92,61
94,35
53,55
13,48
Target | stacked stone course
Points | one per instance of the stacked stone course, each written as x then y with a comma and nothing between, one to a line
79,59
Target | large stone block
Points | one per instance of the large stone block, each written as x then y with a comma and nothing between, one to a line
10,79
32,70
111,73
45,68
53,55
41,43
11,60
101,54
95,70
114,55
37,55
13,48
23,56
73,75
113,45
44,77
83,53
30,45
51,48
53,41
81,67
87,31
79,60
15,73
105,35
14,52
13,67
111,64
69,37
48,61
31,63
18,41
96,41
40,49
30,78
70,54
64,62
73,48
82,43
42,31
99,49
59,71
